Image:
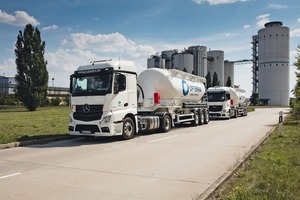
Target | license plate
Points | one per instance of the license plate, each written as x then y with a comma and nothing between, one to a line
86,132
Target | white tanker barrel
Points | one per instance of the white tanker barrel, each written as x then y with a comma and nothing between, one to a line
241,95
162,87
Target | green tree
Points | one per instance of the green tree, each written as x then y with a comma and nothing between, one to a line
32,75
215,81
208,80
228,82
254,99
296,90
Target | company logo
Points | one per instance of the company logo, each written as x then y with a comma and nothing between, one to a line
185,88
86,108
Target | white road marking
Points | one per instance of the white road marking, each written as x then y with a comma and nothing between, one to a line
9,175
165,138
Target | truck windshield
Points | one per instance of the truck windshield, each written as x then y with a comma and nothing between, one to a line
216,96
91,84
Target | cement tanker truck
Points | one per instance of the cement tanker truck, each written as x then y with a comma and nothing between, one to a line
108,99
226,102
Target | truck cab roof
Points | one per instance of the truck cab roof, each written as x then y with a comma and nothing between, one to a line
116,65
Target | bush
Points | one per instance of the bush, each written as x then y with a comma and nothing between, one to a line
55,101
8,100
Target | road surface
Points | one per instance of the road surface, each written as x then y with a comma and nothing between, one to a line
181,164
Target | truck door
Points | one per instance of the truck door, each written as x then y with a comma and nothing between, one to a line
120,97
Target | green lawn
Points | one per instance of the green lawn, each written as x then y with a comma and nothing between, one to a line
271,173
18,124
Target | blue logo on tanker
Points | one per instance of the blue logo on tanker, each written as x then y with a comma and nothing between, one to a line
185,88
189,88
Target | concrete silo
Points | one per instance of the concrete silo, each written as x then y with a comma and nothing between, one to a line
200,59
156,62
216,64
184,62
229,72
273,58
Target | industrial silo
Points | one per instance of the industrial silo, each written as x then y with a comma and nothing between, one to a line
168,56
156,61
216,64
184,62
229,72
273,58
200,59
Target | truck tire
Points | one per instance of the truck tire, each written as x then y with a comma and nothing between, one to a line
165,124
196,120
201,117
128,129
206,116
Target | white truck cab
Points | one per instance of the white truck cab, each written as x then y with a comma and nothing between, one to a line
103,100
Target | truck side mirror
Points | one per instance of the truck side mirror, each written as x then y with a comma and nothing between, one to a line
227,96
71,84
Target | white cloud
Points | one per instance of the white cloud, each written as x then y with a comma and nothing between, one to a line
231,34
295,33
298,20
246,26
20,18
9,67
277,6
217,2
262,19
51,27
82,48
113,43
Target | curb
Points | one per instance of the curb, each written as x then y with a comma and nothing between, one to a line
36,141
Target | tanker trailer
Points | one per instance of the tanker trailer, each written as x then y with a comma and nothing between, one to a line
170,97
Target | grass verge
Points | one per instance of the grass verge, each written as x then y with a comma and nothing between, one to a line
18,124
272,172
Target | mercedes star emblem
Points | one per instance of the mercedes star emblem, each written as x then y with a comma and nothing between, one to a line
86,108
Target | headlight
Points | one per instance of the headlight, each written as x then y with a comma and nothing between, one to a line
73,108
106,119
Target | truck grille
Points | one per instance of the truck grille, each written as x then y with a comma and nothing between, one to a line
215,108
93,113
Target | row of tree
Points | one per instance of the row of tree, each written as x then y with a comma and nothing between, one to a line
215,81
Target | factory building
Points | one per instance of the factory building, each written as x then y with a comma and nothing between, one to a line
271,64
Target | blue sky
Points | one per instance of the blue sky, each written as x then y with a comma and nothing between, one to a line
79,31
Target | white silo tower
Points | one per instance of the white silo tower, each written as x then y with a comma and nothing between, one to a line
273,58
184,62
216,64
229,72
156,61
200,59
168,56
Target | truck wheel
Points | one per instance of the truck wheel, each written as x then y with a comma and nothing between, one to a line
206,116
165,123
196,120
128,129
201,118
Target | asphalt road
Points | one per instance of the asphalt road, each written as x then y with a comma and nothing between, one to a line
182,164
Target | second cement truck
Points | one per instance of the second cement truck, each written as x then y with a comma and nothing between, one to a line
108,99
226,102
